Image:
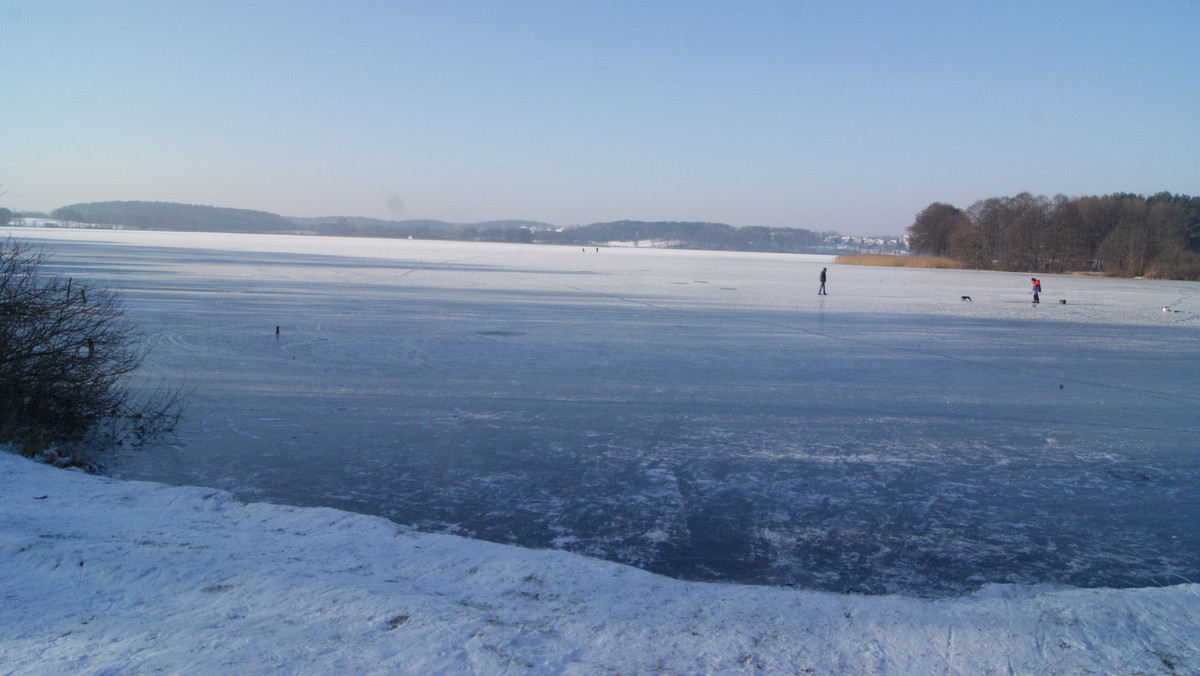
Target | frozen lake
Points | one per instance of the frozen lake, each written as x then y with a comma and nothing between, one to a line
699,414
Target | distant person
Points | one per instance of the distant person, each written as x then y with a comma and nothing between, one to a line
1037,289
821,291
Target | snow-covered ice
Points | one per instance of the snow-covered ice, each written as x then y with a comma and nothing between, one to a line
99,576
704,415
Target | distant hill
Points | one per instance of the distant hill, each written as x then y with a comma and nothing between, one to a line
172,216
671,234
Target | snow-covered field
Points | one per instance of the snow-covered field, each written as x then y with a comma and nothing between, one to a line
698,414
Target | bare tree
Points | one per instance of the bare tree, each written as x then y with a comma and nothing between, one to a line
930,232
989,217
67,356
1028,218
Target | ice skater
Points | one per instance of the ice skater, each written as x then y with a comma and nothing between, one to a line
1037,289
821,291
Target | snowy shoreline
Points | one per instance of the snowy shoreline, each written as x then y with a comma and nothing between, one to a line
104,576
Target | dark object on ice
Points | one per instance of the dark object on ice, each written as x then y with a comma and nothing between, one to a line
277,330
967,298
396,622
1062,301
821,291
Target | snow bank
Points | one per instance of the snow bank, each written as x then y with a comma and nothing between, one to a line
105,576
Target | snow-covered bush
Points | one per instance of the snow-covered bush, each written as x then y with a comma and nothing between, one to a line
67,355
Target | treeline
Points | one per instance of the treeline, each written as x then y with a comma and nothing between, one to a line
172,216
1120,235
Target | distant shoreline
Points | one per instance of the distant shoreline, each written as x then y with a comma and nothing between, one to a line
701,235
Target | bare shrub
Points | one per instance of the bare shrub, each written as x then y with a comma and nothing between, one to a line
1177,264
67,356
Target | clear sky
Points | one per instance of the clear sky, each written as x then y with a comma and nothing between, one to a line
849,116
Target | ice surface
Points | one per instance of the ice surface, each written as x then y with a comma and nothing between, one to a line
699,414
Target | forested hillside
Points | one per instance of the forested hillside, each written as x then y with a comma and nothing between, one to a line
172,216
1121,234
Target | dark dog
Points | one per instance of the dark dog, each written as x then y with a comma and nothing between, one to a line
967,298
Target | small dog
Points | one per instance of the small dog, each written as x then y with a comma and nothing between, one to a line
967,298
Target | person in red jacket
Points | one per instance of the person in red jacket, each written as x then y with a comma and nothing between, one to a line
1037,289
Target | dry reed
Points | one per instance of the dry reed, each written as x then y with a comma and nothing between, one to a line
892,261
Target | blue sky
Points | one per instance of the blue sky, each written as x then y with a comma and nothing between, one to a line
847,116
